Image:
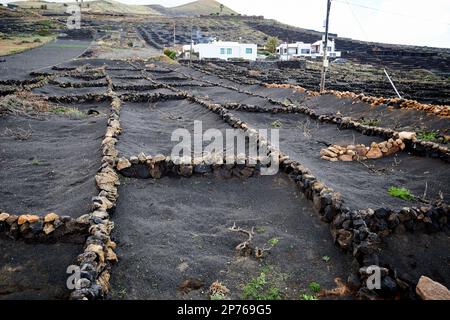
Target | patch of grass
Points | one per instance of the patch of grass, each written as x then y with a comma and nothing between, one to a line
307,297
428,136
260,229
17,43
314,287
170,53
326,258
35,162
259,288
122,294
276,124
400,192
73,113
371,122
217,296
44,32
273,242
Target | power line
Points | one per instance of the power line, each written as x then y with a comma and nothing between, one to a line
391,12
357,20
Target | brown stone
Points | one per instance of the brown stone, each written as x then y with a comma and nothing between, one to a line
51,217
405,135
428,289
346,157
123,163
328,153
27,218
4,216
361,151
97,249
111,256
48,228
374,153
344,238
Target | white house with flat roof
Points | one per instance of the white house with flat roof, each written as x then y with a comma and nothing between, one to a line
289,51
223,50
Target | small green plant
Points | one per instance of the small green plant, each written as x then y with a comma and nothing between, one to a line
428,136
371,122
217,296
273,242
326,258
170,53
314,287
400,192
307,297
260,229
122,294
260,289
130,44
35,162
73,113
276,124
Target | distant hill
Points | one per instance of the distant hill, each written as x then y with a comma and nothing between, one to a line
98,6
195,8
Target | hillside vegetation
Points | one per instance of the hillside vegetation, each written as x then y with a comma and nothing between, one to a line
100,6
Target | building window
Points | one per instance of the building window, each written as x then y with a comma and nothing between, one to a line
329,48
229,51
222,50
305,51
248,50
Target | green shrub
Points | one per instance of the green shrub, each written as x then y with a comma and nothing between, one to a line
259,288
170,53
400,192
44,32
428,136
314,287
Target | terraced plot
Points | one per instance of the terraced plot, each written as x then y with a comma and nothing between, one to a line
76,185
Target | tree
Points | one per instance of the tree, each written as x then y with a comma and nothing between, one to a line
272,44
221,8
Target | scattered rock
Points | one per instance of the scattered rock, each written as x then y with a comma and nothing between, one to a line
51,217
428,289
123,163
4,216
48,228
405,135
27,218
374,153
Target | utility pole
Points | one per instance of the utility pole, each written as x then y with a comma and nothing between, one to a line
325,45
190,50
174,35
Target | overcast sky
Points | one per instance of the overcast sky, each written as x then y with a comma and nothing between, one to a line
392,21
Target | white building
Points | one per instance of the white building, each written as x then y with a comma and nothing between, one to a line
223,50
289,51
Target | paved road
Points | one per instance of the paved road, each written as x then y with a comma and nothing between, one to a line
19,66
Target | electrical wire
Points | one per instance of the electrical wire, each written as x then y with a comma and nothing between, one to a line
390,12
